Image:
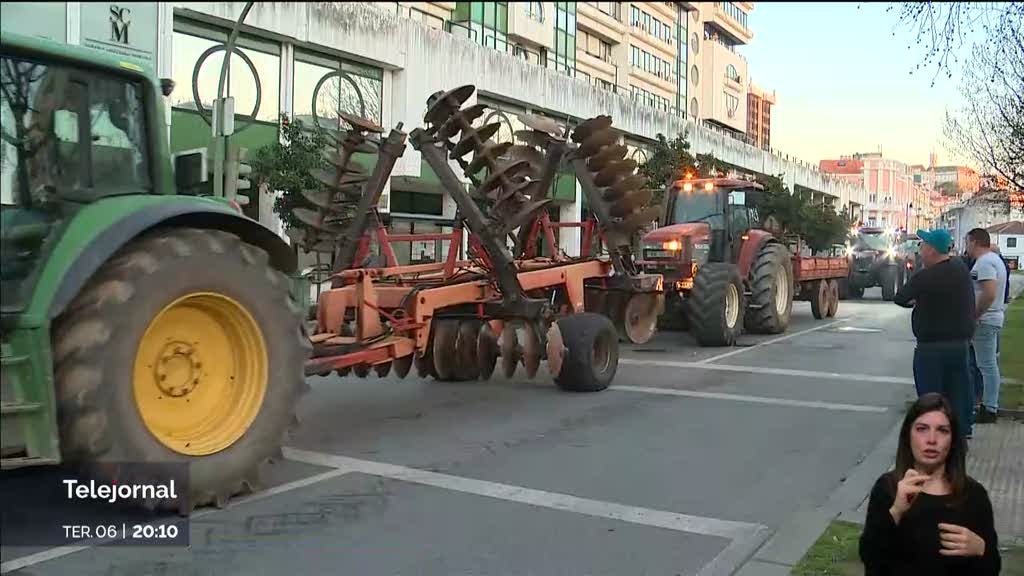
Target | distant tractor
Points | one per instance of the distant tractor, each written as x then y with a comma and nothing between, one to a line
723,273
874,261
138,324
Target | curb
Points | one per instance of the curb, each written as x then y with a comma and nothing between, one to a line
801,530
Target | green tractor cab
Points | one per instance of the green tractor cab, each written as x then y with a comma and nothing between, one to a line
138,324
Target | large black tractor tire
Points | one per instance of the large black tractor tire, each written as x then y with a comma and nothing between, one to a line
855,291
716,305
591,352
888,277
188,348
771,287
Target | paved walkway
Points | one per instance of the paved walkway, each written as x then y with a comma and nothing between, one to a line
996,459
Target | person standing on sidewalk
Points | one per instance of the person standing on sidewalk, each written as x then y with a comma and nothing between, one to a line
943,323
927,515
989,279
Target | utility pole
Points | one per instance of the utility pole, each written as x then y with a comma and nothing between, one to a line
223,124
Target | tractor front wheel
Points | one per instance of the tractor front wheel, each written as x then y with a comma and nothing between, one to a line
771,286
187,347
716,305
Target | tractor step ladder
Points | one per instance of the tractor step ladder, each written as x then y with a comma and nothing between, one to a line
27,430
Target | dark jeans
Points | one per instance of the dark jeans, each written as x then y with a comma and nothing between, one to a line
944,367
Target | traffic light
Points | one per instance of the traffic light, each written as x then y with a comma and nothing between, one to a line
237,175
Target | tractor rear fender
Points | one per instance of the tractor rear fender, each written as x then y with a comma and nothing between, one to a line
96,233
756,239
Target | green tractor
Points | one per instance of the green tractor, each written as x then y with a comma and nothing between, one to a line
139,324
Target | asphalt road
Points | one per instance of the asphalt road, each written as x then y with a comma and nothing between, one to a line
686,465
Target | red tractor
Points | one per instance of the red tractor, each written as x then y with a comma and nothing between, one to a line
723,273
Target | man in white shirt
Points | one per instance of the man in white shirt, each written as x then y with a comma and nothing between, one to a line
989,278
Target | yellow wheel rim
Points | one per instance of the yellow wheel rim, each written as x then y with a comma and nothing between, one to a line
200,374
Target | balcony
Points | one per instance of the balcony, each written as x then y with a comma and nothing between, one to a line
601,23
730,24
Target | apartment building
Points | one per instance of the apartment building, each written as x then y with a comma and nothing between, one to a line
759,116
895,199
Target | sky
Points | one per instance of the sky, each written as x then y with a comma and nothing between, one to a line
846,84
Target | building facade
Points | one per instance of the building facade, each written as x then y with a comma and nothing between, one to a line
759,116
895,199
311,61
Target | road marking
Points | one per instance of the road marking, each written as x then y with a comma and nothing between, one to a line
753,399
773,371
856,329
61,551
556,501
772,341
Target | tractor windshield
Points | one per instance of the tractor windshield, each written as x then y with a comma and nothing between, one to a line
697,206
68,133
878,242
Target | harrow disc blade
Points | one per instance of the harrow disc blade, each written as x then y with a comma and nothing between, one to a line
382,370
491,151
613,171
424,364
511,172
533,138
639,318
319,198
329,178
465,350
605,156
555,350
442,105
361,370
632,182
595,142
312,219
445,333
588,127
472,139
542,124
524,214
612,195
532,351
361,124
629,203
453,125
403,365
531,155
631,223
324,247
486,351
355,143
508,345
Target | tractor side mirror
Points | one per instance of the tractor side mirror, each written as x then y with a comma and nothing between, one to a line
737,198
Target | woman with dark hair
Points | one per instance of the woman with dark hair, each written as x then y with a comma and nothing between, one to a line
927,516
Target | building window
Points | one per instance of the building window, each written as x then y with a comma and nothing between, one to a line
695,75
731,73
485,22
695,42
564,59
634,16
693,108
734,12
1011,242
327,86
732,103
535,10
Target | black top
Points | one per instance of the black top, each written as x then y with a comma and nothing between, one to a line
913,546
943,301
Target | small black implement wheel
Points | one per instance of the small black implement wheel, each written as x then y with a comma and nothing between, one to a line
590,352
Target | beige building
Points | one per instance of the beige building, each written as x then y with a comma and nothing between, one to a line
679,57
759,116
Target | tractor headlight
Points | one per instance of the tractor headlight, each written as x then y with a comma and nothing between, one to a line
672,245
891,253
849,250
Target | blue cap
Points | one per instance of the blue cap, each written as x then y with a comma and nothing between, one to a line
939,239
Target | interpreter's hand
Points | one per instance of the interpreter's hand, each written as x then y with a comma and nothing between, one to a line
907,489
959,541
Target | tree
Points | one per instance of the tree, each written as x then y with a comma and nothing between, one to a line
989,127
671,160
287,167
943,28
